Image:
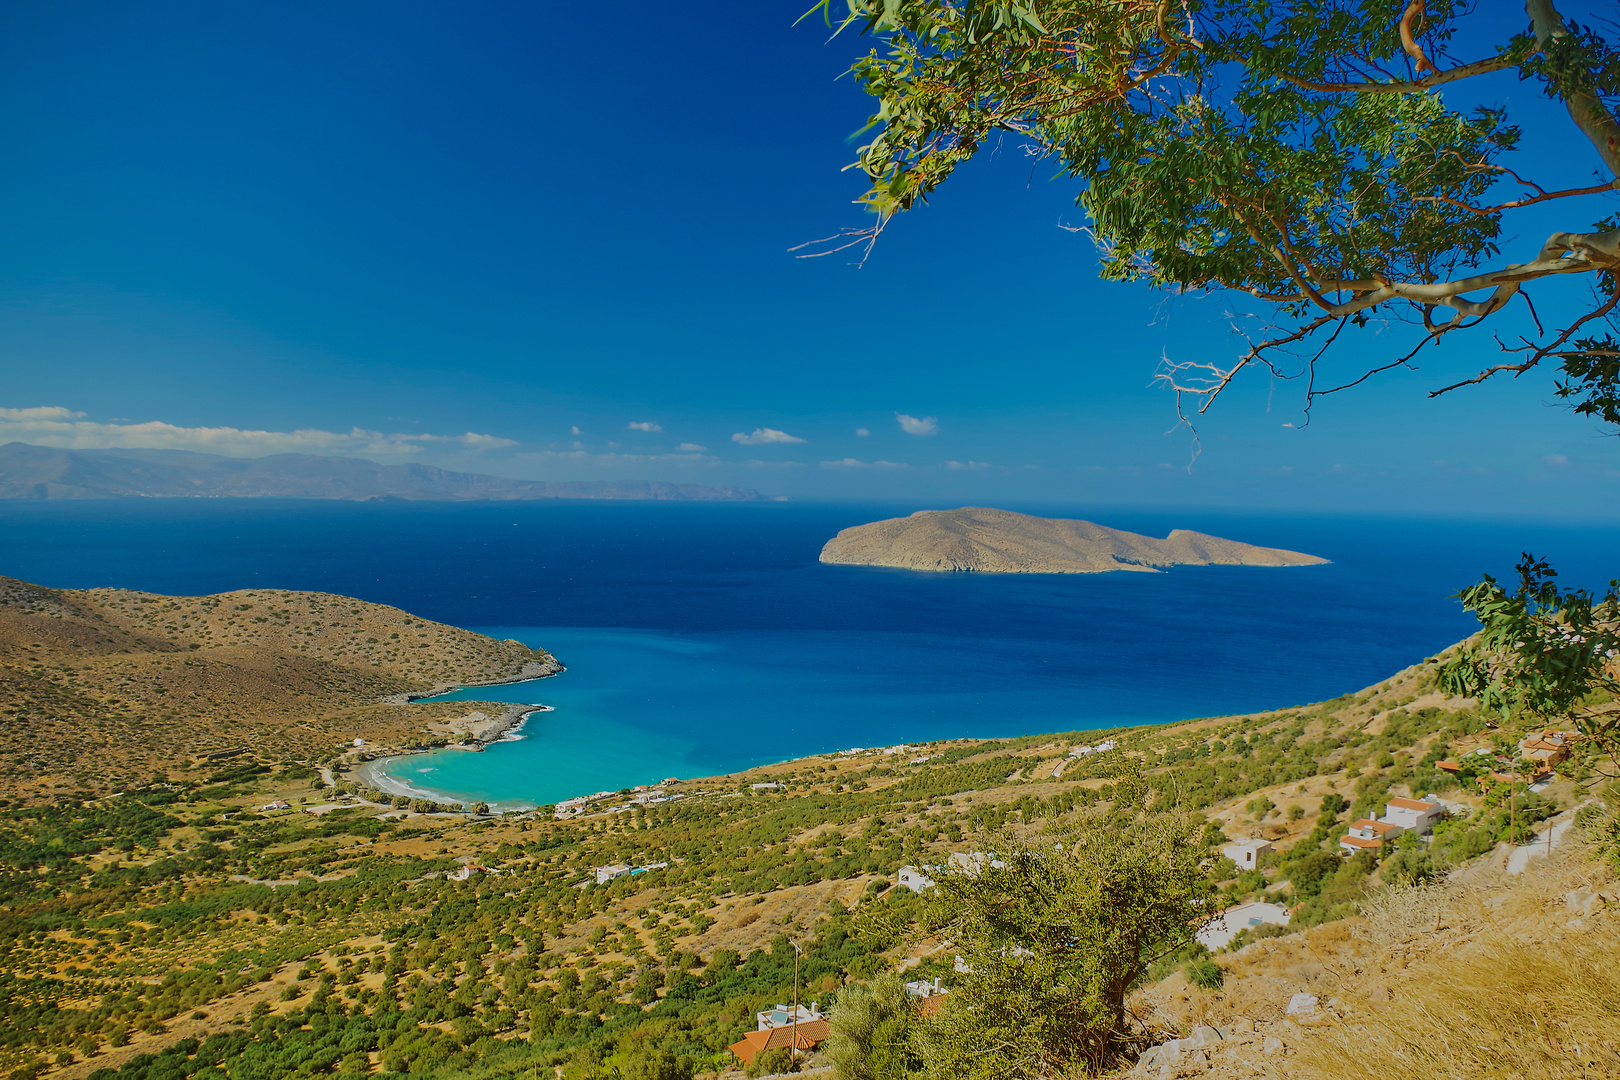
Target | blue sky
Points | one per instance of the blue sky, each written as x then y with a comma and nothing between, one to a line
553,241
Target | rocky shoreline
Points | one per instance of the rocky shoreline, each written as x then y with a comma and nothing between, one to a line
532,670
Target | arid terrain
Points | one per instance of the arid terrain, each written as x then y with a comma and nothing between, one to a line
103,689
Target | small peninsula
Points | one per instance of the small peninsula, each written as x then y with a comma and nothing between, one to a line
975,538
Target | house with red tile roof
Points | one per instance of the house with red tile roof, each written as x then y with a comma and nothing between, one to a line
803,1037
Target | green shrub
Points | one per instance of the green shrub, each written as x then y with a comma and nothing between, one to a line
1205,973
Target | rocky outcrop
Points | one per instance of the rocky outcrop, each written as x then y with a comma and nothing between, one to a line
975,538
1204,1047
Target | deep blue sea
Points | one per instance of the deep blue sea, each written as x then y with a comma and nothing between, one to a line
703,638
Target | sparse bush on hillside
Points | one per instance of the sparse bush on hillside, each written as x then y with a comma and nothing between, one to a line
1205,973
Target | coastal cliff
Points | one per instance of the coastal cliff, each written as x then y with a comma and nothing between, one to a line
975,538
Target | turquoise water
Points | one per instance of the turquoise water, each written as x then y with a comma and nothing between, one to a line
702,639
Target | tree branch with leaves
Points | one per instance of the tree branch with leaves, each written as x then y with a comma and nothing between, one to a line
1301,154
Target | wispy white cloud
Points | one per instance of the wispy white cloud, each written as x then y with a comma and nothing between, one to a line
968,465
691,448
763,435
856,463
575,430
54,425
756,463
1555,459
40,412
643,425
863,432
914,425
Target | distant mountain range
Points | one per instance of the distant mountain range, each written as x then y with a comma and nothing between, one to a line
42,472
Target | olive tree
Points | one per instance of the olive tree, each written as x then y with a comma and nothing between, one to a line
1316,159
871,1032
1546,652
1053,935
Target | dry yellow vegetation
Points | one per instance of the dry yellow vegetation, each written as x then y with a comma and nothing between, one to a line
104,688
1486,975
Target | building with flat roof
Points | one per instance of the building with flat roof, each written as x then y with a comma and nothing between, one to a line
1246,853
914,879
785,1015
1234,920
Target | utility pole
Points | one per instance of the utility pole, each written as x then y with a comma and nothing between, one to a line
797,952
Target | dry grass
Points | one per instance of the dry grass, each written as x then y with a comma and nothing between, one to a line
1401,913
1500,977
1505,1008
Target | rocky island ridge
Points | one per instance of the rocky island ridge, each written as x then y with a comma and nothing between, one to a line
976,538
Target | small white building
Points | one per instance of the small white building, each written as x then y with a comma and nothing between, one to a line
926,988
1234,920
1246,853
768,785
1369,835
914,879
972,863
279,804
1100,748
605,874
783,1015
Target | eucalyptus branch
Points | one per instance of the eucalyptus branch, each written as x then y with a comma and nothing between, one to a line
1595,121
1541,353
1407,86
1543,196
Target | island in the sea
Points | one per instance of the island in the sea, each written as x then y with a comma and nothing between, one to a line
974,538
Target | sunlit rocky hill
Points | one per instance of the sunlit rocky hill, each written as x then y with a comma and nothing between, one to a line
101,689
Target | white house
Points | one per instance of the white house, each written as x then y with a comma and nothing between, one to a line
914,879
926,988
1400,816
783,1015
1414,815
1234,920
1246,853
1087,751
605,874
1369,835
972,862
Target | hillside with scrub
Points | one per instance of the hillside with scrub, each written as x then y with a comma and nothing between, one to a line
249,920
104,690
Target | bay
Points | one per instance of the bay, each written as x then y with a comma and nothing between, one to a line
705,638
